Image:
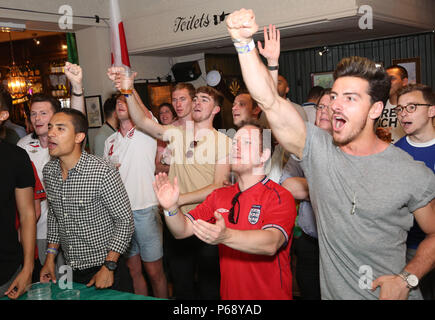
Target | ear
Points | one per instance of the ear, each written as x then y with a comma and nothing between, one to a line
216,109
431,111
79,137
256,111
376,110
405,81
4,115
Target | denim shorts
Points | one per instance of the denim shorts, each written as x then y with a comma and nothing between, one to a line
147,240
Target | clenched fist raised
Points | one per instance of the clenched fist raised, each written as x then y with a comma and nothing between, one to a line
241,25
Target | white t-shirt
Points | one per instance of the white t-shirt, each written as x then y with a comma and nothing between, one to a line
390,121
40,157
136,154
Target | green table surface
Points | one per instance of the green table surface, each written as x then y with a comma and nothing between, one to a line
94,294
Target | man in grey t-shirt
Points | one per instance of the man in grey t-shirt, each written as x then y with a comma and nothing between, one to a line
363,190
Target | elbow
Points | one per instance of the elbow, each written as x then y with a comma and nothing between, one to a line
178,236
272,249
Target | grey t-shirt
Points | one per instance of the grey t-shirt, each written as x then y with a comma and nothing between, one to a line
382,191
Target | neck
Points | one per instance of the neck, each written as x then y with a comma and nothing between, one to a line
206,124
125,126
182,121
69,161
113,122
366,144
246,181
423,136
43,140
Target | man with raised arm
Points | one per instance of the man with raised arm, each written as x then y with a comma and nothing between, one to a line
200,162
363,211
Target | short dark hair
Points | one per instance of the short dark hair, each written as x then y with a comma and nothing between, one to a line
315,93
78,119
377,77
427,92
324,92
212,92
109,106
402,71
40,97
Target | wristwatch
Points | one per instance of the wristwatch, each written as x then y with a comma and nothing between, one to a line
111,265
411,279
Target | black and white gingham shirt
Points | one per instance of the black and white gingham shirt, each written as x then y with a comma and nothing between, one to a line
89,213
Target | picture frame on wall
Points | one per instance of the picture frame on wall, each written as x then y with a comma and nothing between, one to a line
412,65
94,111
159,93
323,79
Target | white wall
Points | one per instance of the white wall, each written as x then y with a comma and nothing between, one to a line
150,24
79,7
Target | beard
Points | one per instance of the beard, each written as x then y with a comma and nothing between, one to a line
352,135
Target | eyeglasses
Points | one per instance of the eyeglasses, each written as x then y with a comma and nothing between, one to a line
231,212
193,144
410,108
320,106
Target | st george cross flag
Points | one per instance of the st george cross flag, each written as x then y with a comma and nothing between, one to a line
119,44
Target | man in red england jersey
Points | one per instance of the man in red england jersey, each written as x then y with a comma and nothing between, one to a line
251,221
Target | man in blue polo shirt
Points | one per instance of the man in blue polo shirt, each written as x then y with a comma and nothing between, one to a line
416,111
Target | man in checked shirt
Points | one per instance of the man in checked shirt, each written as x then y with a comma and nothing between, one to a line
89,210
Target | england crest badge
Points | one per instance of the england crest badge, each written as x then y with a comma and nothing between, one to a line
254,214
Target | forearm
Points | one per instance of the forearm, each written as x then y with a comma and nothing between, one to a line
144,108
261,242
258,80
199,195
113,256
77,102
285,122
141,120
424,260
28,239
178,223
26,210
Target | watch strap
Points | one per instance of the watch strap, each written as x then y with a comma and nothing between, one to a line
404,275
77,94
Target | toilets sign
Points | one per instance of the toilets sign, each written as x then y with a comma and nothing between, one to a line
198,21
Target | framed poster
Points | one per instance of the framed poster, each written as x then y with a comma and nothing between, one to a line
94,111
412,65
158,93
323,79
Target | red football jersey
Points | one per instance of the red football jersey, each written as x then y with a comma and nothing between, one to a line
247,276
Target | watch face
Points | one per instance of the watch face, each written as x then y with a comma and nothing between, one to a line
412,280
110,265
